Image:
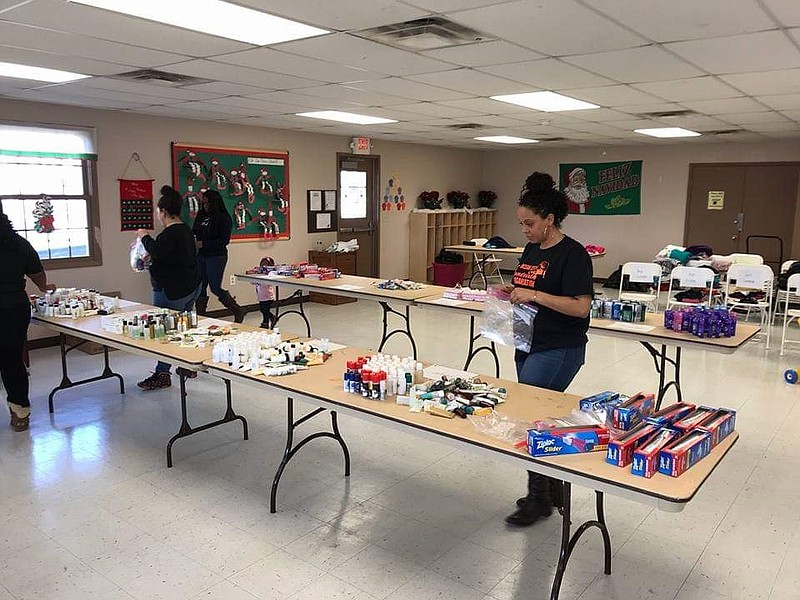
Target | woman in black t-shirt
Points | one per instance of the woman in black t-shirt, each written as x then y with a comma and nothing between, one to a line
555,274
173,273
17,259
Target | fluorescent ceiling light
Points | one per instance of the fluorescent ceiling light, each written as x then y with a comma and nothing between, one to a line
506,139
215,17
668,132
546,101
37,73
345,117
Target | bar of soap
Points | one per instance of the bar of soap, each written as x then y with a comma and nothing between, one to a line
482,411
439,412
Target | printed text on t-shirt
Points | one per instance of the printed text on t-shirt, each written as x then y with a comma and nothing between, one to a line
526,275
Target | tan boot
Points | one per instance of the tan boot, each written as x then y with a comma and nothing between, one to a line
20,416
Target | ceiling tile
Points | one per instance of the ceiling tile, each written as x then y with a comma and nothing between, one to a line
253,106
183,112
697,88
753,117
726,105
695,122
784,81
434,109
413,90
638,109
613,95
554,28
54,60
223,88
765,51
634,65
767,127
342,14
266,59
496,52
107,25
353,95
547,74
471,82
687,19
598,115
303,102
793,114
485,106
35,38
233,74
49,95
155,90
787,11
364,54
229,109
783,102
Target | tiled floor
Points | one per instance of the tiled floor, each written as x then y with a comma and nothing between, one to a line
88,509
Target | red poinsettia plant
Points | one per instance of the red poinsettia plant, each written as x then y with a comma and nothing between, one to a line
458,199
430,200
486,198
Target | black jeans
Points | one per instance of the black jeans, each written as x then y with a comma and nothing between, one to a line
12,343
212,268
266,312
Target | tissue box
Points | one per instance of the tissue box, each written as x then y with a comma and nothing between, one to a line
620,450
633,410
645,458
684,452
670,414
567,440
720,424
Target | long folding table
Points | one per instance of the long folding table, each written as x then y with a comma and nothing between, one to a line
321,387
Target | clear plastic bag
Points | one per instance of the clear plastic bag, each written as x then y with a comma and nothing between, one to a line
502,427
506,323
140,259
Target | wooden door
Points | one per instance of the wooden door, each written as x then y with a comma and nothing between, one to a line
359,210
759,204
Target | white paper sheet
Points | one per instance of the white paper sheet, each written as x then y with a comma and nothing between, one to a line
623,326
348,286
447,302
315,197
323,221
330,200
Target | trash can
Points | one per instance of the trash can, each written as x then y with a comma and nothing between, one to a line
448,274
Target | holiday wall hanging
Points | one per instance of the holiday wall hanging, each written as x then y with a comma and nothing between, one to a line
43,220
254,184
135,198
613,188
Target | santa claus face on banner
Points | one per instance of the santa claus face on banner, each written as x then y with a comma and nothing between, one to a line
576,190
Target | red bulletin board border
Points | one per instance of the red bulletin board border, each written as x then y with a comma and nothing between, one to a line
179,183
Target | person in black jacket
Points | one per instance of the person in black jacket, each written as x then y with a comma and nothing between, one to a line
17,259
212,230
174,273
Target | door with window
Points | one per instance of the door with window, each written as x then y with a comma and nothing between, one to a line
359,214
741,207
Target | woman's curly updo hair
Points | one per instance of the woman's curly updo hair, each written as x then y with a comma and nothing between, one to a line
170,201
541,196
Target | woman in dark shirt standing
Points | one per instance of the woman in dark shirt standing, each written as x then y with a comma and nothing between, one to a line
555,274
17,259
173,271
212,229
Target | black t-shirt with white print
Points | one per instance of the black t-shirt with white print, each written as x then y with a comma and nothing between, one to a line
562,270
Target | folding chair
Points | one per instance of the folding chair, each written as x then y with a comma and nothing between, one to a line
751,279
782,295
746,259
686,278
790,314
641,272
485,265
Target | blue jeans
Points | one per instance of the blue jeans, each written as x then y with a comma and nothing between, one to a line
182,304
551,369
212,269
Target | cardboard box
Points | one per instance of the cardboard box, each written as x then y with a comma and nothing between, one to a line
645,458
567,440
629,413
685,452
693,419
668,415
721,423
620,450
600,400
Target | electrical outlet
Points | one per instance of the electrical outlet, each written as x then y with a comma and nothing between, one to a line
233,279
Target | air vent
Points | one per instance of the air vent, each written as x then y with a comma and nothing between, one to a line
666,114
465,126
155,76
424,34
724,132
552,139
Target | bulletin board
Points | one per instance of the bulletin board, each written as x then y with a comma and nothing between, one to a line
322,211
254,184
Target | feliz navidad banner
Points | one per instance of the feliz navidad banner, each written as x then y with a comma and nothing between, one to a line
612,188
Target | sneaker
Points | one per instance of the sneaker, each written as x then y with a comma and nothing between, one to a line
264,325
530,512
19,423
186,373
158,380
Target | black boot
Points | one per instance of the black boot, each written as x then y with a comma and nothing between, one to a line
229,302
201,305
536,505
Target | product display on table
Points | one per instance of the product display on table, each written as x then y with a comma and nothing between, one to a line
464,293
73,302
299,270
263,353
629,311
702,322
399,284
160,324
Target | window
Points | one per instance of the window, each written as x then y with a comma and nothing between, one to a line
47,189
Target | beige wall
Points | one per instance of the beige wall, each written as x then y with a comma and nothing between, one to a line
665,174
312,165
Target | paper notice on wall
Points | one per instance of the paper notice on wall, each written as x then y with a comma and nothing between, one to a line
315,196
324,221
716,200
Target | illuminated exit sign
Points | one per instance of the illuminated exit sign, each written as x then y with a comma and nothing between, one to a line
361,145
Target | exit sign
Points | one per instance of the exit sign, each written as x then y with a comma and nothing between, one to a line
361,145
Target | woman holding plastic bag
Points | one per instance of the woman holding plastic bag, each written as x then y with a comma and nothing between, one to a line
173,270
555,275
